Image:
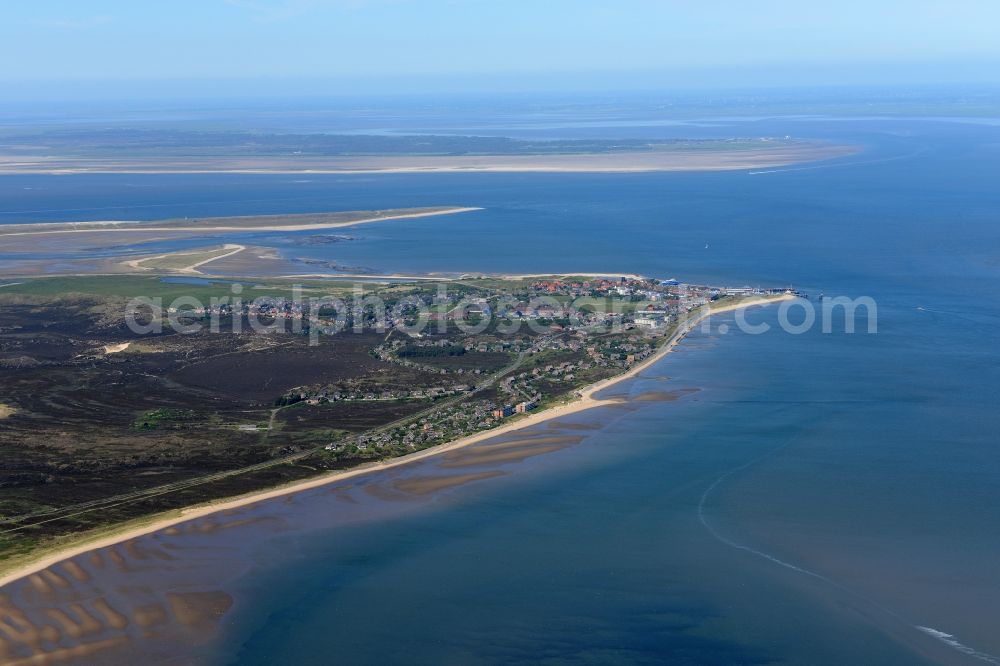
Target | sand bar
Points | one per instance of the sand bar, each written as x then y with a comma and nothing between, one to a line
230,224
761,155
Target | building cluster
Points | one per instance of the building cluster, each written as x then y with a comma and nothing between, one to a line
576,346
509,410
347,392
444,424
557,302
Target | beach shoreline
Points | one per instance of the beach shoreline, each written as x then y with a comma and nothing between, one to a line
584,400
755,157
429,169
147,227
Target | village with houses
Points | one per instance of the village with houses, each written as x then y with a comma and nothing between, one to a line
499,349
253,382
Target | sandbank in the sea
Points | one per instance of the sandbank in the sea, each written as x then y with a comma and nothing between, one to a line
754,157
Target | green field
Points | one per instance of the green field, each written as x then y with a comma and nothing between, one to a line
133,286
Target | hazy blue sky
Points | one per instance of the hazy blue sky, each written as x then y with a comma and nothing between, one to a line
378,44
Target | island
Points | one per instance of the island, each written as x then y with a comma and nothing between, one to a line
107,246
120,150
159,372
132,402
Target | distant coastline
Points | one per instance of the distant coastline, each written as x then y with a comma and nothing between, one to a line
62,239
687,159
255,223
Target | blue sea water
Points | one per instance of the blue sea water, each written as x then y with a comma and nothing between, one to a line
825,498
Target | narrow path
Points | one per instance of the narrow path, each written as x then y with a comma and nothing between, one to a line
235,249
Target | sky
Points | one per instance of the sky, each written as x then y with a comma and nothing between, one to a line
363,46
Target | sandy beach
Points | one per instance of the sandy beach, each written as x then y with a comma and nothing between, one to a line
585,400
107,226
750,157
63,239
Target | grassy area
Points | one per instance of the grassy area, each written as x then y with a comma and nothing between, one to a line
499,284
132,286
180,260
154,286
156,418
608,304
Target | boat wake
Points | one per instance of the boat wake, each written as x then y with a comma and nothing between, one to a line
739,546
946,638
950,640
